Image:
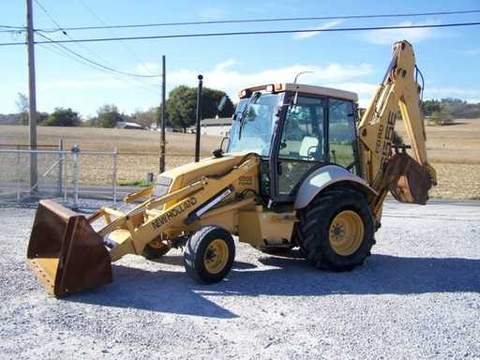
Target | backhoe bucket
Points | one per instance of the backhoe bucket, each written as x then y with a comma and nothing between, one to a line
408,181
65,252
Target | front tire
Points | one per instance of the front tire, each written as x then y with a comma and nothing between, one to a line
336,230
209,254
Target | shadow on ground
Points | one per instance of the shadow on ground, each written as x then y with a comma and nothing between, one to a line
175,292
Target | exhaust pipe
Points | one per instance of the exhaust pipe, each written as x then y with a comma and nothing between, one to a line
65,252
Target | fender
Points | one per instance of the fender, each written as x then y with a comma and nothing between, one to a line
322,178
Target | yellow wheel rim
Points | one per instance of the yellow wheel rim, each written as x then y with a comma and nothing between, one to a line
216,256
346,232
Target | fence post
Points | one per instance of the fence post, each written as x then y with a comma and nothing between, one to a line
60,167
17,174
114,177
65,177
76,173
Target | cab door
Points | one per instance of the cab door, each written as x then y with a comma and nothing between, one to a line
301,145
342,135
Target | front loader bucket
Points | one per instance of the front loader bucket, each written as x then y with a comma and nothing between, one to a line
408,181
65,252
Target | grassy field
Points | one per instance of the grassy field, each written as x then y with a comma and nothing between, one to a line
453,150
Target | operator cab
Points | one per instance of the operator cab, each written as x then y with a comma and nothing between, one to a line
295,129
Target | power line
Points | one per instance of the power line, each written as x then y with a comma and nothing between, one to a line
60,28
240,33
13,27
268,32
264,20
112,33
240,21
61,52
90,61
93,62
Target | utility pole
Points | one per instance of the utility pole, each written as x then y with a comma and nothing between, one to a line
162,118
32,100
199,118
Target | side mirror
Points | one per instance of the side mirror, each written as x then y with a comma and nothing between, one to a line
224,143
218,153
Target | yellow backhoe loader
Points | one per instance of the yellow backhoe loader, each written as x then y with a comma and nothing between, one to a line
299,171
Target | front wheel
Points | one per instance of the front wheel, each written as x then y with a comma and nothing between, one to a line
209,254
336,230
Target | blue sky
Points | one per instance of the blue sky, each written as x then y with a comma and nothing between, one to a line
449,58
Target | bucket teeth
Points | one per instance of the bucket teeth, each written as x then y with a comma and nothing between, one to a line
65,252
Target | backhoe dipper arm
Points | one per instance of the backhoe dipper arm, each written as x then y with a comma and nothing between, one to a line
408,179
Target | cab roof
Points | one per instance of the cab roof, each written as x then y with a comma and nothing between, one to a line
301,88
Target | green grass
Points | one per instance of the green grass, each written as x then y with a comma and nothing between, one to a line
141,182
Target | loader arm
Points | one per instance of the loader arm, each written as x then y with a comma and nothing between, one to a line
68,255
409,179
160,220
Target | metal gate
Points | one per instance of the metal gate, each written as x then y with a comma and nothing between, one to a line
59,174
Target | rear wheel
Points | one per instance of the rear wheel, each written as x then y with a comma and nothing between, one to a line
336,230
209,254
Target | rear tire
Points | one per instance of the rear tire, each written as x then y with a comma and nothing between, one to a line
336,230
209,254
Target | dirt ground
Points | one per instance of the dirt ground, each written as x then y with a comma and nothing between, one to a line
453,150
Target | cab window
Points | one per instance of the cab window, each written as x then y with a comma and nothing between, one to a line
342,135
302,143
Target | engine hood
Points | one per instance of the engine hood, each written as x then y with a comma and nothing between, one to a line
189,173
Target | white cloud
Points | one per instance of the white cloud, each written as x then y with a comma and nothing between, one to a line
472,51
470,95
309,34
224,76
82,84
389,36
364,90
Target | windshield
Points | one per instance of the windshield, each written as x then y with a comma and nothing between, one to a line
252,127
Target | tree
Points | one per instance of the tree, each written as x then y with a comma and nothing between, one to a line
158,116
107,117
211,99
144,118
182,105
429,106
442,117
457,108
62,117
22,106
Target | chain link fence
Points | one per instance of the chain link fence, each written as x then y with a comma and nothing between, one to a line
66,174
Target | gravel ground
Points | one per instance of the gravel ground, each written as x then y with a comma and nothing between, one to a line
416,297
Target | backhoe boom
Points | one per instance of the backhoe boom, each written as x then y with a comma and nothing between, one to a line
408,178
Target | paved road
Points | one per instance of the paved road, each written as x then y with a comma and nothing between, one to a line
418,296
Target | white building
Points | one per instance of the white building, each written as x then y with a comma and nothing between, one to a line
128,125
216,126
